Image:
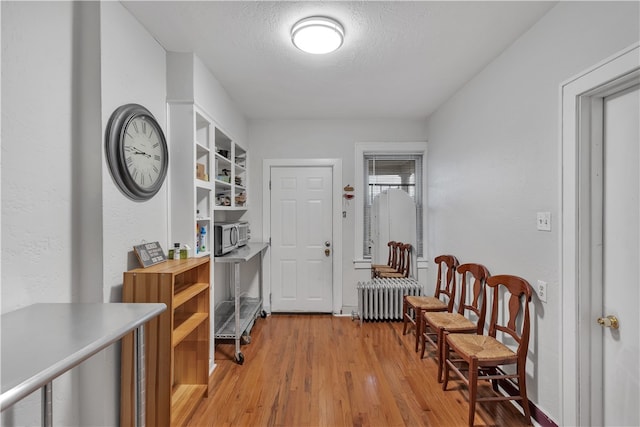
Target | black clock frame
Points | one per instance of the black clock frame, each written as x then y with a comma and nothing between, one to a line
116,159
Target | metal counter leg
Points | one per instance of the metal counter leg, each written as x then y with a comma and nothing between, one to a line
236,284
47,405
140,376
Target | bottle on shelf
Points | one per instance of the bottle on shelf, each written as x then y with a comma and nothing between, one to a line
176,251
197,240
203,234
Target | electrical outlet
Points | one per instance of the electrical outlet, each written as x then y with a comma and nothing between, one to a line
542,290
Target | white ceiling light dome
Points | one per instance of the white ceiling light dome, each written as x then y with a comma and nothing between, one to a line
317,35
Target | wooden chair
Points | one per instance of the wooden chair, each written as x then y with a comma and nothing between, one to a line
392,260
484,355
420,304
440,322
404,267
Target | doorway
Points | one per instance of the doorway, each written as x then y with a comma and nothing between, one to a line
600,235
302,221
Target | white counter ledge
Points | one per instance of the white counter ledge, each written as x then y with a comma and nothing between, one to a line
42,341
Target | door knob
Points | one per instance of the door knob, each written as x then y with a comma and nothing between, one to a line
327,243
327,252
609,322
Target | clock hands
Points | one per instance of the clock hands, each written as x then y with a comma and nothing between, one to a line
135,150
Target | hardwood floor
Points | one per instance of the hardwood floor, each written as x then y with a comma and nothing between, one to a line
321,370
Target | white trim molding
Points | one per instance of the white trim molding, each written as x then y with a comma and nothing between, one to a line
336,166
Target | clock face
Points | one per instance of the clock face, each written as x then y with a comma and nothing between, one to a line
136,151
143,153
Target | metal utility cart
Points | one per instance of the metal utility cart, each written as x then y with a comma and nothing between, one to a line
234,318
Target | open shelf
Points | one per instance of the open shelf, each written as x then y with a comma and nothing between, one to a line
188,292
186,324
185,398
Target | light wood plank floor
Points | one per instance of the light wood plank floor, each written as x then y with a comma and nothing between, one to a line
321,370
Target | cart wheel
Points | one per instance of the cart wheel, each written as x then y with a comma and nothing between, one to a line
263,314
239,358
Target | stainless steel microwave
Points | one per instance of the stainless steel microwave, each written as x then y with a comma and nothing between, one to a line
225,238
229,236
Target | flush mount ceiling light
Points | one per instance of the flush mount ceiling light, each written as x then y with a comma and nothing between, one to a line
317,35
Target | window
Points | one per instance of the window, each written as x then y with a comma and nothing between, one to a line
386,171
382,165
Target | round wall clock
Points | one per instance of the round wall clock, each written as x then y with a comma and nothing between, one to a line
136,151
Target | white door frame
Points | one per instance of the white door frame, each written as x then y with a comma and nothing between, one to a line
581,97
336,167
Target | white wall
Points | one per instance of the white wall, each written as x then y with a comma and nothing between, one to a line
494,162
192,81
133,71
214,99
37,169
326,139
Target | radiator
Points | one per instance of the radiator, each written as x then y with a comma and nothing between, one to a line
381,299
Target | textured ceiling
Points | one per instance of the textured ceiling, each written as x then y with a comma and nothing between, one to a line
399,59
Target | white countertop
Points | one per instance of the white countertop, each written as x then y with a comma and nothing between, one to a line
42,341
244,253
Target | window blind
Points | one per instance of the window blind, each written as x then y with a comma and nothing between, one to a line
384,171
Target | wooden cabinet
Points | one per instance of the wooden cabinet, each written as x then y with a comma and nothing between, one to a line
176,342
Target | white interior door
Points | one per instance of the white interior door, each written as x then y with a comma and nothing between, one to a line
621,260
301,245
599,219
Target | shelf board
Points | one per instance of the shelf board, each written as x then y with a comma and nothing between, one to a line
185,295
200,146
231,208
222,184
225,316
185,398
203,184
186,325
223,158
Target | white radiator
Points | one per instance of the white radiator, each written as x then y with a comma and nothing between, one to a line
381,299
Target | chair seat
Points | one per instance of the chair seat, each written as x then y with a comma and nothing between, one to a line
452,322
482,347
386,275
381,266
426,303
387,269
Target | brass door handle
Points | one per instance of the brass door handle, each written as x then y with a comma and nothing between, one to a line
609,322
327,252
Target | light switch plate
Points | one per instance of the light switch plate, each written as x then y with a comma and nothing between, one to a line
543,221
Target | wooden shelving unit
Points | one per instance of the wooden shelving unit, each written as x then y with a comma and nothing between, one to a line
177,342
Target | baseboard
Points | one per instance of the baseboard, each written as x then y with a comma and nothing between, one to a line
536,413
